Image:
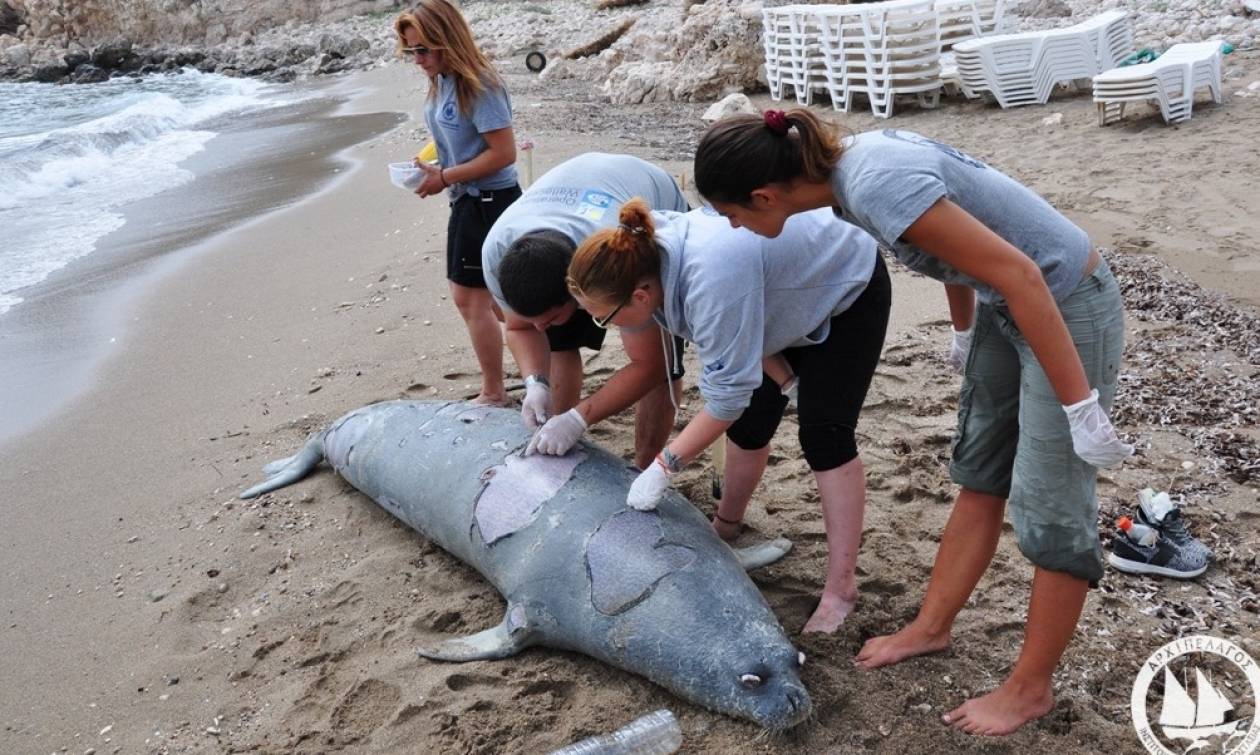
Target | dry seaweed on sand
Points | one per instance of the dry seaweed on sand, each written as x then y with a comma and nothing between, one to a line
1194,365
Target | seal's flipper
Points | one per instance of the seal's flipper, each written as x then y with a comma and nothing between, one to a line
763,554
511,636
287,471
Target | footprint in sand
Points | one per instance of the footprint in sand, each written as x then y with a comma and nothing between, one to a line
365,708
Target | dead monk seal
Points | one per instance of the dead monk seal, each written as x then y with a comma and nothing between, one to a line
656,593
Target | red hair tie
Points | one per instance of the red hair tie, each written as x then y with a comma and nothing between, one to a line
776,121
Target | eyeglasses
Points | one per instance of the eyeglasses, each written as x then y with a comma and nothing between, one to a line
417,50
604,322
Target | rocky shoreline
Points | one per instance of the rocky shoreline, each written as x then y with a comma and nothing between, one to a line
673,51
281,54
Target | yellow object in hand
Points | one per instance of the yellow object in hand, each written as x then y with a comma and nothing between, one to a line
429,154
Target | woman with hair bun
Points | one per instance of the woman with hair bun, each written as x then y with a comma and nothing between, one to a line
1040,356
469,115
818,294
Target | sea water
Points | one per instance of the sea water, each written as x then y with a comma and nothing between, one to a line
72,156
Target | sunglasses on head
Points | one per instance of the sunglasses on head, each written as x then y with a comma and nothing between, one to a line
417,50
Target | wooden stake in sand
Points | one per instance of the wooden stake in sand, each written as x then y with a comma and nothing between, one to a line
717,452
601,44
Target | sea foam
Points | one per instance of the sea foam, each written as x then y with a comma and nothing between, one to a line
72,157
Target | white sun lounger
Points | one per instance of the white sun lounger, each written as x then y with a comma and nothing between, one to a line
1170,81
1024,68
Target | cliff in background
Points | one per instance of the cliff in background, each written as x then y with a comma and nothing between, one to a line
166,22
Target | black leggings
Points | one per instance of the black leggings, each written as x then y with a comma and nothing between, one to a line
833,379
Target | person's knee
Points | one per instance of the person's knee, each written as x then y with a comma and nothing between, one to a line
750,438
828,446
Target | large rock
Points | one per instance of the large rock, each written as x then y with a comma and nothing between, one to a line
18,56
116,53
88,74
10,18
731,104
715,50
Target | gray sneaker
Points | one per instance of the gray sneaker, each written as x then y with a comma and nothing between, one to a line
1157,510
1161,558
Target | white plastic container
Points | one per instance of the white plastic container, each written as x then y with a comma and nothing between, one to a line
656,733
405,175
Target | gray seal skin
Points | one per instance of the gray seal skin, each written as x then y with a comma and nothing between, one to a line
656,593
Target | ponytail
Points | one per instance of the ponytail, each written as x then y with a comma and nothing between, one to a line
746,152
611,262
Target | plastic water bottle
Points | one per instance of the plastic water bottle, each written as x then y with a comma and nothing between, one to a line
1137,532
656,733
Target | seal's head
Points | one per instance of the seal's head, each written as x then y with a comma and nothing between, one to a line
682,612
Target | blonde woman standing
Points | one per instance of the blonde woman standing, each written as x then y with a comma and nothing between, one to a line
469,114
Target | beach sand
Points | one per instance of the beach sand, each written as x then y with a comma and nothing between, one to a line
143,608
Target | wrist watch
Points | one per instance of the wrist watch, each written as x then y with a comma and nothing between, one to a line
539,379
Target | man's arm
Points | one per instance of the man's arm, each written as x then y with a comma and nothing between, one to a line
627,385
528,345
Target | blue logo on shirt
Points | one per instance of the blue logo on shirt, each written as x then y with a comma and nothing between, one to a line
449,114
923,141
594,204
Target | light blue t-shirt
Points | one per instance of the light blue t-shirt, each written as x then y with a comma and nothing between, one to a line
577,198
885,181
740,297
459,135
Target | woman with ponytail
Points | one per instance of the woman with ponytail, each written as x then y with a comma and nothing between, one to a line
469,116
1038,335
818,294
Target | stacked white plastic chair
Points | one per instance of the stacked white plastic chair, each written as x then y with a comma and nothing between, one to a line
961,20
880,50
1170,81
1024,68
794,60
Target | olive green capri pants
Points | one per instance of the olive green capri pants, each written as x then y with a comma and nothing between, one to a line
1013,439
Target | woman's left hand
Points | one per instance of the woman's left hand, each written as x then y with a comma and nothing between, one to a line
433,182
648,488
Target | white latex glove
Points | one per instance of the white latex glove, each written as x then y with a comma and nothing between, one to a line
958,349
534,407
559,434
1093,437
792,389
648,487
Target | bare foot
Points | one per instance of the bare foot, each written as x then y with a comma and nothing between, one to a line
728,531
487,399
894,648
831,612
1002,711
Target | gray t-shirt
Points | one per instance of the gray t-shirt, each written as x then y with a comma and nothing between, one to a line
459,135
740,297
886,180
577,198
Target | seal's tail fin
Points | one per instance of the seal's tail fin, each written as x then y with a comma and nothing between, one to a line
288,471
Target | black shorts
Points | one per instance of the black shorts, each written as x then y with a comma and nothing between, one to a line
580,331
834,377
471,219
577,332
